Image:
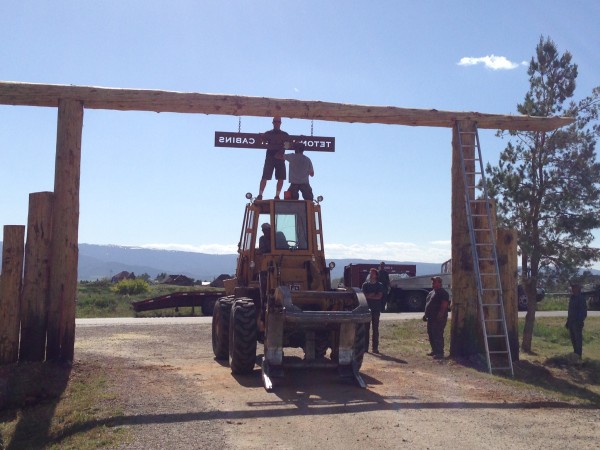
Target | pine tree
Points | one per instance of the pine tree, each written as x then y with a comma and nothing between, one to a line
547,184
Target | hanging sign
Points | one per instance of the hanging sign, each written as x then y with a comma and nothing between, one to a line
257,140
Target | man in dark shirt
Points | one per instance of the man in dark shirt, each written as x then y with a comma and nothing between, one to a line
275,144
436,316
264,242
575,318
373,291
384,278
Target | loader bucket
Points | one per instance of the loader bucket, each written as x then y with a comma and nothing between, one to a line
332,319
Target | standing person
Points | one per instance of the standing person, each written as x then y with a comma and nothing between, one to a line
384,278
301,169
275,140
575,318
373,290
436,316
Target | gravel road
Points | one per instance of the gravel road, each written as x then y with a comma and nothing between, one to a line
175,395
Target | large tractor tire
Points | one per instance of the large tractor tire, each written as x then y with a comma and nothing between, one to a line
220,327
242,336
360,344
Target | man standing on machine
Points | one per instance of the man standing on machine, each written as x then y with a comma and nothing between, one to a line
275,139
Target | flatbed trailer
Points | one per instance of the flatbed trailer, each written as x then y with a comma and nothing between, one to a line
204,299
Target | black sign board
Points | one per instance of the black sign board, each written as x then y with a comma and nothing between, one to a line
256,140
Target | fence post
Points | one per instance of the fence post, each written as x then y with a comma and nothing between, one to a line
10,292
36,278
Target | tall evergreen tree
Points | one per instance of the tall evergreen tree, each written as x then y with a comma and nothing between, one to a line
547,184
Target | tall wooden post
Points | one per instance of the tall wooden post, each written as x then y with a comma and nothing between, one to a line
36,278
506,242
13,248
466,335
65,233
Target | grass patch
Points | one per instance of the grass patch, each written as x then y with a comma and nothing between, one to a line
554,303
100,299
551,366
55,406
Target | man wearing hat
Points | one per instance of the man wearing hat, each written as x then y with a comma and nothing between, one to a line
436,316
275,139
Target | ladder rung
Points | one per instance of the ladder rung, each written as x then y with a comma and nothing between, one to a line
491,304
496,335
501,368
498,352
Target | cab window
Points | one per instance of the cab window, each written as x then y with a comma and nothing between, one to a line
290,226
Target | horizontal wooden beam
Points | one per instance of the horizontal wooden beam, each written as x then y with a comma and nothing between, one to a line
29,94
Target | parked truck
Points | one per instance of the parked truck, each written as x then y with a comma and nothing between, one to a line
410,292
356,274
281,297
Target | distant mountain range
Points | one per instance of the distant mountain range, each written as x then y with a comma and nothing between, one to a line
104,261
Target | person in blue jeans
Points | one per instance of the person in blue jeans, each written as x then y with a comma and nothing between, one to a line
373,291
436,316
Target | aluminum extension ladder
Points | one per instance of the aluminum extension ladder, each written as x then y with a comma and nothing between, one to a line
483,248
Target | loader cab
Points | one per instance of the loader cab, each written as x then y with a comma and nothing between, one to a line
295,226
295,233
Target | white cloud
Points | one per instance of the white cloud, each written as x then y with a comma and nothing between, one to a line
211,249
433,252
491,62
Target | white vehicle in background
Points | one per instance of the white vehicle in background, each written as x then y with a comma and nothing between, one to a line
411,292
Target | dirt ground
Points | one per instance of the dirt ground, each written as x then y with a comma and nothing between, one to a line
175,395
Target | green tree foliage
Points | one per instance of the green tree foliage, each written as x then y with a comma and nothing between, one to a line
547,184
131,287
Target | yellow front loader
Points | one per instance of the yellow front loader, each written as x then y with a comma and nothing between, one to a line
281,296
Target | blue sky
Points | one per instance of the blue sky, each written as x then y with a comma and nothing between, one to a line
151,179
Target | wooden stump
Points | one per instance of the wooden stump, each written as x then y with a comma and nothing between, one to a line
506,242
10,292
36,279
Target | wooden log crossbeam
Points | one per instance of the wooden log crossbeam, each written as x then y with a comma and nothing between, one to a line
32,94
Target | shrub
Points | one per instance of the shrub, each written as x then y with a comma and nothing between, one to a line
131,287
